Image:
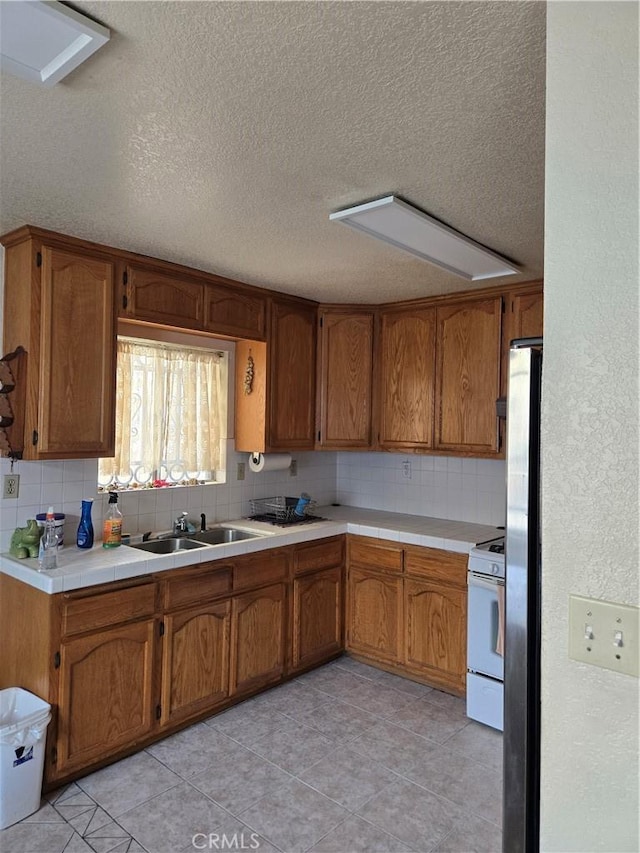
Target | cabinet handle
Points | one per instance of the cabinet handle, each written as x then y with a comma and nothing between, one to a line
158,711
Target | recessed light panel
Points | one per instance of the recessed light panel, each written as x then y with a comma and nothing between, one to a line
44,41
404,226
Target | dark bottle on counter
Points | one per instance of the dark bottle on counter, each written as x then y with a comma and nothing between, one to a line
84,538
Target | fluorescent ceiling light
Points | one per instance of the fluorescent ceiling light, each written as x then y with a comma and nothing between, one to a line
408,228
44,41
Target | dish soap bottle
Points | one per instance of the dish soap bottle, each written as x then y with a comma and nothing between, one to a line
112,527
84,538
48,554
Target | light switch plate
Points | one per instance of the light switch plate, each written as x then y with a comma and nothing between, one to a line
604,634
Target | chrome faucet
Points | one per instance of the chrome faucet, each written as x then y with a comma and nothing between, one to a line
180,524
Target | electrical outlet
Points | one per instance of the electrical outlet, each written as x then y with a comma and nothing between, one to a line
240,471
406,469
293,468
11,486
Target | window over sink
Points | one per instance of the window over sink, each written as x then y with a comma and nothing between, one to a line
171,416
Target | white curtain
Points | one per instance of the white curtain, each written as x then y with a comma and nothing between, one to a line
171,415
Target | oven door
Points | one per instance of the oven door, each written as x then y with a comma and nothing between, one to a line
482,626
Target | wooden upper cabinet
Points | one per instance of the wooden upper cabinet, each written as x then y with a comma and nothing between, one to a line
468,376
156,296
346,379
60,306
234,312
407,362
292,376
276,411
523,319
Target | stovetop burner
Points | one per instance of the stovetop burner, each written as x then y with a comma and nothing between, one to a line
497,547
271,518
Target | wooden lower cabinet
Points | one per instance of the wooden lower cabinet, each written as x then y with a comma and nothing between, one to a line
195,664
258,642
317,617
407,610
374,621
435,632
105,697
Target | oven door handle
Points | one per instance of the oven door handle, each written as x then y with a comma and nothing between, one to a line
484,582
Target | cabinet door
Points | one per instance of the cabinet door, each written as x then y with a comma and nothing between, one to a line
527,315
346,379
195,663
292,376
77,356
106,694
468,376
374,615
523,319
407,364
232,311
161,297
317,617
258,638
435,632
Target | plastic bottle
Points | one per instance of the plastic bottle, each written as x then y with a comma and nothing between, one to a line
48,554
301,507
112,527
84,538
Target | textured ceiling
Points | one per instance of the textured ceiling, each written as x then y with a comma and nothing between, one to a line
222,134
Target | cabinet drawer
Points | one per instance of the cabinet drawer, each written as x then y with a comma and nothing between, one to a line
375,554
433,563
89,612
210,581
319,555
260,568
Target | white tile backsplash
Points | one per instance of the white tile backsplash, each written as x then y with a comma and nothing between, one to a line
441,487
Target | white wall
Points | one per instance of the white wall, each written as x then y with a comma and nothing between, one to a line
590,417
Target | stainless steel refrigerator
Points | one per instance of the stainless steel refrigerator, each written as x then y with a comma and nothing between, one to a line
521,797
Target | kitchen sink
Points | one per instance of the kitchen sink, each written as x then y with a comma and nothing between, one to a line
222,535
168,546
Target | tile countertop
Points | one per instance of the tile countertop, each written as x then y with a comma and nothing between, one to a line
78,569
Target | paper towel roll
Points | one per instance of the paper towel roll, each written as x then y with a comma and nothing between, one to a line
269,462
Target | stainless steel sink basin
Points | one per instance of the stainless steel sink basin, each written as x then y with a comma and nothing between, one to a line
222,535
168,546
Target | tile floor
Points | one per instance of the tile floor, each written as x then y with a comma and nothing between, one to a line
343,759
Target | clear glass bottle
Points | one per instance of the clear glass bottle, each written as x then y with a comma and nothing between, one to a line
112,527
48,554
84,538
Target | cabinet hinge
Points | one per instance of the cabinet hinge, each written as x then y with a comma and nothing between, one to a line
125,277
319,435
500,441
34,437
125,301
54,755
321,322
158,711
56,660
161,629
503,306
38,259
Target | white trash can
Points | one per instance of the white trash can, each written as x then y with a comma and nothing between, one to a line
23,727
